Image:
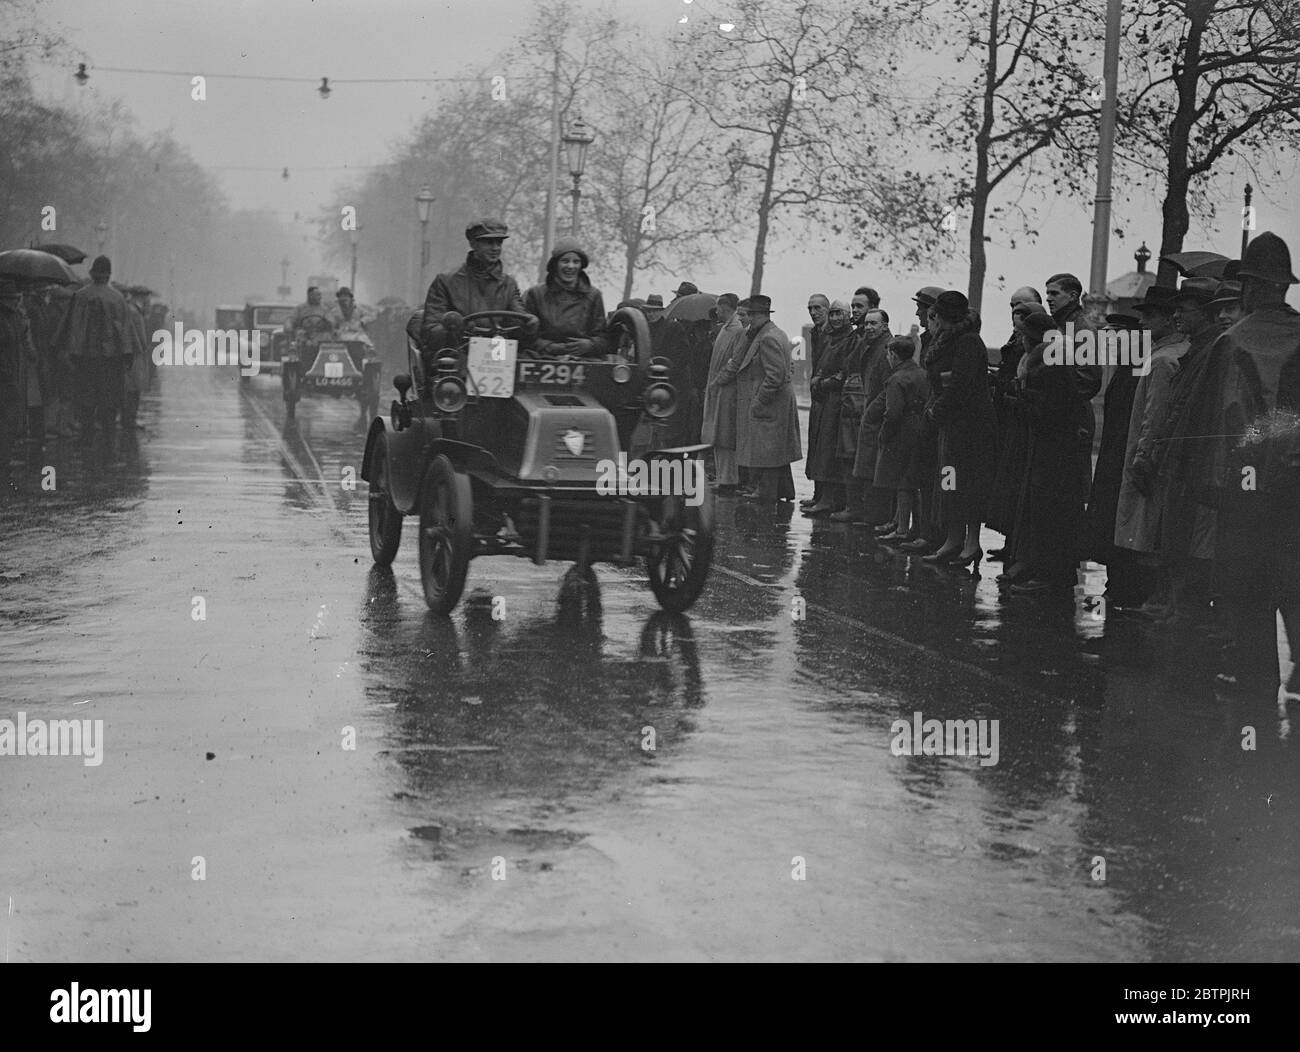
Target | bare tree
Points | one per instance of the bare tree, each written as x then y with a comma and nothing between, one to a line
659,178
1032,94
1212,79
797,94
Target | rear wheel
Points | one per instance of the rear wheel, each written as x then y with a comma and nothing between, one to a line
680,565
385,519
446,534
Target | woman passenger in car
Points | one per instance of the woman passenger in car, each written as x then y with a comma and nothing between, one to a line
571,311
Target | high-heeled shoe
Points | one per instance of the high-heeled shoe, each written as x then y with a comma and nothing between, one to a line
900,539
943,555
963,561
917,546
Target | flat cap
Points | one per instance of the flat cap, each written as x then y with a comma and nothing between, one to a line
492,229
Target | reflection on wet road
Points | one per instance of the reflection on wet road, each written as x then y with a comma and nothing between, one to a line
585,777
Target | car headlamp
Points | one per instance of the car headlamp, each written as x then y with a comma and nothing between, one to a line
449,394
660,400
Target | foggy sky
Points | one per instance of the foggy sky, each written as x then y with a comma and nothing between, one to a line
249,124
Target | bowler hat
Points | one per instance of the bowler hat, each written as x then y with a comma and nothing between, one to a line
758,302
1268,259
1158,297
1202,290
927,295
487,228
951,305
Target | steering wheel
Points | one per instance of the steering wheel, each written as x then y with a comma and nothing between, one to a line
314,324
495,326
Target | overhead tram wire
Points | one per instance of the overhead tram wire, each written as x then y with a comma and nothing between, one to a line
463,78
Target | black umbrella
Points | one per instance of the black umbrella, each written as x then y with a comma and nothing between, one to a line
67,253
1196,264
694,307
29,264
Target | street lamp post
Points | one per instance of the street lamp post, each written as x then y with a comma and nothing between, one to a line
353,283
1246,223
284,289
423,200
576,141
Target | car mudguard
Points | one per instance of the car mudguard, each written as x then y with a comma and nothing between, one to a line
377,428
409,453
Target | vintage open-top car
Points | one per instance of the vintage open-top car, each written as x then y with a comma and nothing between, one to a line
499,454
318,362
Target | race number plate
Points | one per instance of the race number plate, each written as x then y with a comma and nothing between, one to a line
562,374
491,366
333,370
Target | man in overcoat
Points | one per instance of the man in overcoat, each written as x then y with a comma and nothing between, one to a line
719,428
769,443
1137,515
96,336
1252,469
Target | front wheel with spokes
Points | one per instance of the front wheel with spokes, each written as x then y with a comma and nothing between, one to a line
446,534
679,565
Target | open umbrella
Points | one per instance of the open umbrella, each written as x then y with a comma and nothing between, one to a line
1214,268
1191,264
67,253
29,264
694,307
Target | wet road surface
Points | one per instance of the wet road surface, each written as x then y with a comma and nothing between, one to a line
501,801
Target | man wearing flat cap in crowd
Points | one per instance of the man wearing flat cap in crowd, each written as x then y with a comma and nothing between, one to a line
480,284
768,439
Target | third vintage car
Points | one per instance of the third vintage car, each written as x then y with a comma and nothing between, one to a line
316,361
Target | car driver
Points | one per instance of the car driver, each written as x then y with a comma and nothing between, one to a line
481,284
313,308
